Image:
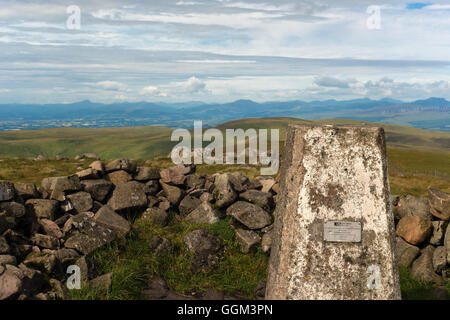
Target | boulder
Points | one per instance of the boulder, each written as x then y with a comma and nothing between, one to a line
194,182
50,228
437,236
247,239
238,181
98,189
422,268
259,198
101,283
42,208
7,191
62,184
87,174
81,201
128,165
160,246
13,209
152,187
45,241
26,190
223,191
250,215
204,213
173,194
188,204
128,196
406,253
118,177
158,216
412,206
439,259
110,219
147,173
175,175
98,166
66,256
8,259
414,229
439,203
88,267
10,282
267,184
88,155
43,262
204,247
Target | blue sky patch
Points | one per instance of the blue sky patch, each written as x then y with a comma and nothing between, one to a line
417,5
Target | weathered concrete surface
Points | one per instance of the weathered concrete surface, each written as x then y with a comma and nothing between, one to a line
333,173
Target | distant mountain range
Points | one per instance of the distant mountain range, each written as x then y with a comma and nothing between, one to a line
432,113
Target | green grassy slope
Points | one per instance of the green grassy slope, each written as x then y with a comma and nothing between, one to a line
151,141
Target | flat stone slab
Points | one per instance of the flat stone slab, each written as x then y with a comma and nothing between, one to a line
334,234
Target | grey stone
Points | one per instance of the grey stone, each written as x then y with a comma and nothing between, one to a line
152,187
7,191
204,246
98,189
147,173
128,165
422,268
156,289
238,181
63,184
158,216
8,259
188,204
204,213
87,155
412,206
223,191
173,194
160,246
437,237
88,174
194,182
128,196
45,241
267,184
333,173
88,267
439,259
118,177
249,215
10,282
43,262
66,256
102,283
110,219
42,208
50,228
98,166
175,175
439,203
259,198
406,253
447,243
13,209
26,190
81,201
248,240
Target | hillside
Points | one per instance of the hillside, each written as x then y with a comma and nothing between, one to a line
151,141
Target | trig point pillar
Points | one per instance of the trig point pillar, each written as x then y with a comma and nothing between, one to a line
334,232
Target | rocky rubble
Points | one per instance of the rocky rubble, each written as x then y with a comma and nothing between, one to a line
45,229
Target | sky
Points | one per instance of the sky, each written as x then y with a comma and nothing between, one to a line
223,50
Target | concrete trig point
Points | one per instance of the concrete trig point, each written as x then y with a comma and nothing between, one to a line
334,232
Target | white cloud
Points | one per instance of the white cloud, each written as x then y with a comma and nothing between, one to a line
152,91
111,85
194,85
